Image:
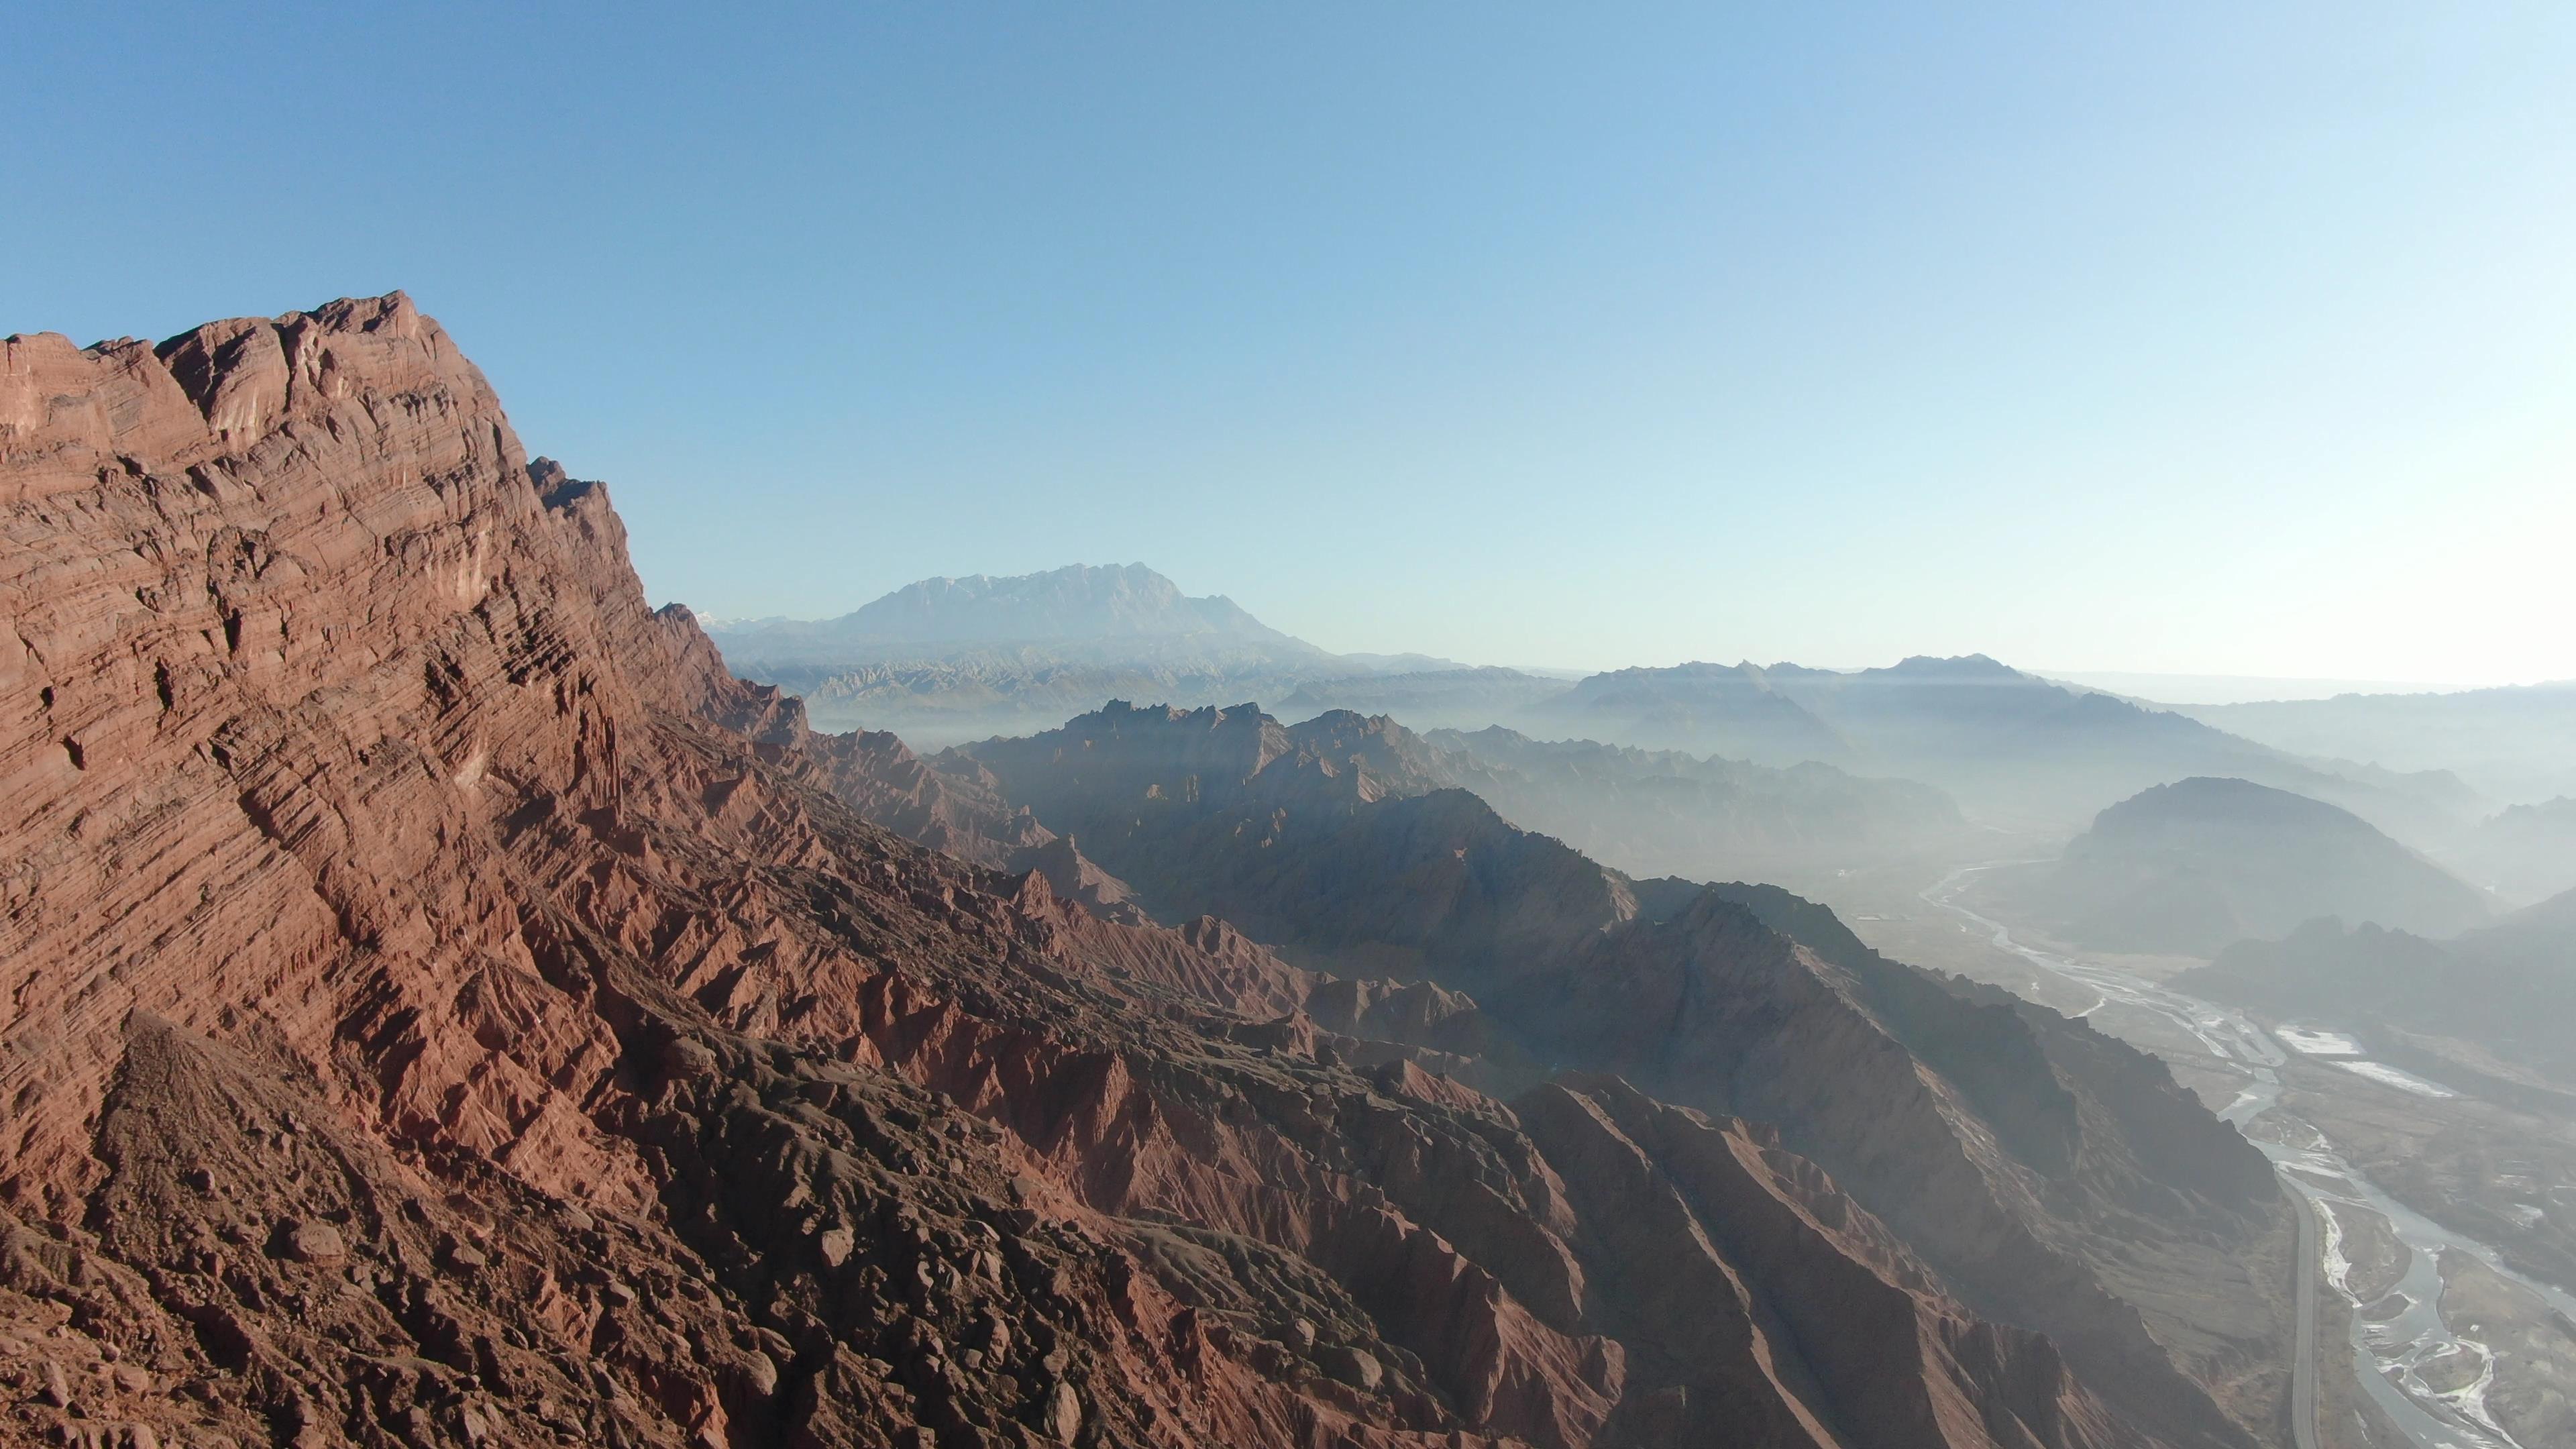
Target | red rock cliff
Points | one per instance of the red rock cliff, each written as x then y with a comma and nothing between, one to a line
442,1006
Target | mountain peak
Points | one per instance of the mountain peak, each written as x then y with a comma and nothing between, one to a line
1075,603
2190,866
1960,666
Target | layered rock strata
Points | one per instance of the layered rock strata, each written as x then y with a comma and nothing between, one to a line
443,1006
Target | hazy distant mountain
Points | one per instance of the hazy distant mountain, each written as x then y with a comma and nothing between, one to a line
2515,743
1456,698
2012,747
1661,812
948,660
2170,690
1740,710
944,660
1404,663
2523,853
2509,989
2192,867
1076,605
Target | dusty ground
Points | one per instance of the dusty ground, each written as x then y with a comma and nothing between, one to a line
2378,1259
2534,1392
2502,1176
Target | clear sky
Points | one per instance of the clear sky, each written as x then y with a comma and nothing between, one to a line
2202,337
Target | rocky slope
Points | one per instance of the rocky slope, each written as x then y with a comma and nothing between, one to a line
2050,1177
445,1007
2190,867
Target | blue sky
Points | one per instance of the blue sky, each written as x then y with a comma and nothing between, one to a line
2217,338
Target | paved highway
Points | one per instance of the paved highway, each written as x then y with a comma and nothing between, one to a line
2303,1355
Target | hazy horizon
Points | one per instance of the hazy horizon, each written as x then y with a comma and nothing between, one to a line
1114,965
2190,340
2165,687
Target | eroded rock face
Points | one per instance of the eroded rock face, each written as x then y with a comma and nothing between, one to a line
445,1007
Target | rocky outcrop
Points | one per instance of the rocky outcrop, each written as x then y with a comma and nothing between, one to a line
444,1006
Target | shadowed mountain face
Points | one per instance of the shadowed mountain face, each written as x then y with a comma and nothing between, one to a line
2013,748
2190,867
2031,1162
2509,989
445,1006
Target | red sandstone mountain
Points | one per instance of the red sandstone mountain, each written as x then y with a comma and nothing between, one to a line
443,1006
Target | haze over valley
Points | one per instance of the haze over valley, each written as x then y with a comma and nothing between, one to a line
1156,727
2376,922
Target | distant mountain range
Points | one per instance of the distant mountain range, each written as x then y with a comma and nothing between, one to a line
2192,867
2514,743
944,661
1078,604
2014,748
1663,812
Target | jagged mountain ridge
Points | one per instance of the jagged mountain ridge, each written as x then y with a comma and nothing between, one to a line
447,1006
1339,841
